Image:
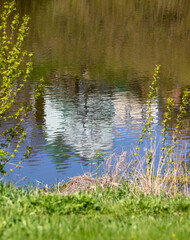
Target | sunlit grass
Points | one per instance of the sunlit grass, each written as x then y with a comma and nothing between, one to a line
103,214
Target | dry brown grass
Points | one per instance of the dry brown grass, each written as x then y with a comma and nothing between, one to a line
172,179
88,183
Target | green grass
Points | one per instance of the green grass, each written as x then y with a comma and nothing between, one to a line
108,214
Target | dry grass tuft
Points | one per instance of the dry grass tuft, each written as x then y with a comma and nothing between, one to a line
88,183
172,181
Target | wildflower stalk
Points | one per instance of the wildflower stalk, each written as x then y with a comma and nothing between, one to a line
183,109
165,149
148,128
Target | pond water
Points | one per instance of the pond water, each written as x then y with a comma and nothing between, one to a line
98,58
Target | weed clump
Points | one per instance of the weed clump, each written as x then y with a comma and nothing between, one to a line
158,170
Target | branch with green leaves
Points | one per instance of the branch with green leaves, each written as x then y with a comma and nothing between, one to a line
15,70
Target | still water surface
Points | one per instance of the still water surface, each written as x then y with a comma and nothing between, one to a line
97,58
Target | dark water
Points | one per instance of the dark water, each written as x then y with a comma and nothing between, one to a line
97,58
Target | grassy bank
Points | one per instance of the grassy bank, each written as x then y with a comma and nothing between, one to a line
117,213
